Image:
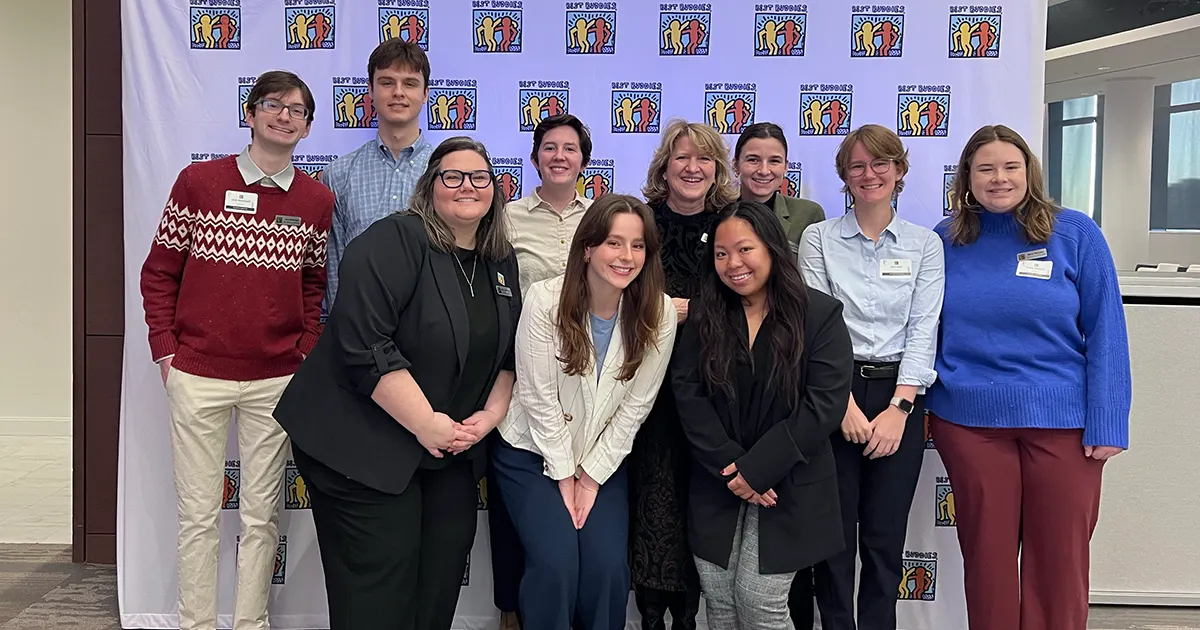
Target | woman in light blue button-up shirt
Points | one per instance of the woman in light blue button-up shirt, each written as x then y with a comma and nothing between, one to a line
889,275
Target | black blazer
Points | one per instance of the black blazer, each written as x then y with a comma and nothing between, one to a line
793,457
399,306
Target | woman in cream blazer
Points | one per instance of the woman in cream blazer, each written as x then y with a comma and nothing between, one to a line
592,350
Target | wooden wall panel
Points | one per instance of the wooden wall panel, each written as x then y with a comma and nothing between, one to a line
97,275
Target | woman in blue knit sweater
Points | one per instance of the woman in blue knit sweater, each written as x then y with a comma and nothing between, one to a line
1033,390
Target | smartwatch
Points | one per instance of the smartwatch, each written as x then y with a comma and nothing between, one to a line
902,405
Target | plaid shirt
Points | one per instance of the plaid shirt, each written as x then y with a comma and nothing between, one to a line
368,184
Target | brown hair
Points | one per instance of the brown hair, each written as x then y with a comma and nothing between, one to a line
721,193
880,142
1035,213
491,236
276,81
396,51
641,301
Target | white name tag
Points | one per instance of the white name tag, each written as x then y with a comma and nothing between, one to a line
1036,254
242,202
895,268
1039,269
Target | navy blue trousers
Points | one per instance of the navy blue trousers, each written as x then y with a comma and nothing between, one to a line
573,578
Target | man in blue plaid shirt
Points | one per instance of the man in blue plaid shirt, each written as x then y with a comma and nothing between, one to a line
377,178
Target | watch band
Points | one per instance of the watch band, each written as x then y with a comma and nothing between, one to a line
902,404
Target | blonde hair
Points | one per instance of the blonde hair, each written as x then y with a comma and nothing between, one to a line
1035,213
710,144
880,142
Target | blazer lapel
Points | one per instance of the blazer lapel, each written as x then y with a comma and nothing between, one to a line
781,208
497,281
445,273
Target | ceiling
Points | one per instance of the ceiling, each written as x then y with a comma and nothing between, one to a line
1166,52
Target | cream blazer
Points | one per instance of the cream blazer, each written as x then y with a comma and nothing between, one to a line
576,422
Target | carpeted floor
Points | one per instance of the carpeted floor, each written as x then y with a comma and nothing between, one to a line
40,589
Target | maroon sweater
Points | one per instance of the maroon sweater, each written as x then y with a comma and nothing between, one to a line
237,295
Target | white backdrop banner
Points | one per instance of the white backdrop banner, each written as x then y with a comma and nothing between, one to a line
932,70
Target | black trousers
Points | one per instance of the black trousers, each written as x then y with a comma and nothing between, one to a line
508,556
800,600
653,605
392,562
876,495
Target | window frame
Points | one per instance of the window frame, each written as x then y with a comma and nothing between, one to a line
1160,156
1053,166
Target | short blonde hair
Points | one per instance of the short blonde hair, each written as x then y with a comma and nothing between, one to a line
710,144
880,142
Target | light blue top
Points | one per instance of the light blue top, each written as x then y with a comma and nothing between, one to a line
368,184
891,289
602,330
1046,350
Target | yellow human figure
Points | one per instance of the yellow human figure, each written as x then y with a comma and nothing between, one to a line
203,31
950,205
905,592
578,35
673,37
441,110
812,117
298,492
624,115
298,31
961,38
391,28
347,109
768,37
717,115
946,508
579,185
864,38
910,118
531,114
485,35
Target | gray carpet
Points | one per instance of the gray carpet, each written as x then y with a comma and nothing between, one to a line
41,589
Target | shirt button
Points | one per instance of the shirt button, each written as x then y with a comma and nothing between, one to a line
561,241
397,170
393,197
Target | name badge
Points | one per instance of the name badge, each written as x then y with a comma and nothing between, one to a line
286,220
1036,254
895,268
1040,269
503,291
241,202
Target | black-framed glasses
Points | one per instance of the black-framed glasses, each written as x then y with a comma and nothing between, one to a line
879,166
273,107
454,179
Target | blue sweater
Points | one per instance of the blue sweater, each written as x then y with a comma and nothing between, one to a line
1022,352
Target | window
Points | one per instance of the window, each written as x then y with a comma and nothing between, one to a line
1074,148
1175,165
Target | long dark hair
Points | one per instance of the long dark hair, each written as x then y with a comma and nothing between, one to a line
718,313
642,301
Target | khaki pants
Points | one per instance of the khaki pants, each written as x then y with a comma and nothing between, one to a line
200,411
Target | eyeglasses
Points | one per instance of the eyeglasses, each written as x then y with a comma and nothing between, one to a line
880,166
455,179
272,106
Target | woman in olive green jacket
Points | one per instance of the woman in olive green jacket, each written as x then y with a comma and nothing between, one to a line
760,162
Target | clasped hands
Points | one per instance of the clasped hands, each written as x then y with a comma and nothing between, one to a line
742,489
442,433
881,435
579,495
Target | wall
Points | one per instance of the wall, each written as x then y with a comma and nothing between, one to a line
35,242
1125,196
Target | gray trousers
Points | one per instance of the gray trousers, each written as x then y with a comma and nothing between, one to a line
741,598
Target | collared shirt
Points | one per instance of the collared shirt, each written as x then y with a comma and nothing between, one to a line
369,183
251,174
891,289
541,236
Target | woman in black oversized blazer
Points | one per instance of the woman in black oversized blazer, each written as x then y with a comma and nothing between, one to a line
388,415
761,377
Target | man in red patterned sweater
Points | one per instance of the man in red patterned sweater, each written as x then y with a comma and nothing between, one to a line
232,291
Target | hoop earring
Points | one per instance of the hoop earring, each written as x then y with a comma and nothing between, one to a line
971,201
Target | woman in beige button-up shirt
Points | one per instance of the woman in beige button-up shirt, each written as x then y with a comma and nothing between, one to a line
592,350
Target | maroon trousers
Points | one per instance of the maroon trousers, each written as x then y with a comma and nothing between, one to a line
1026,492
